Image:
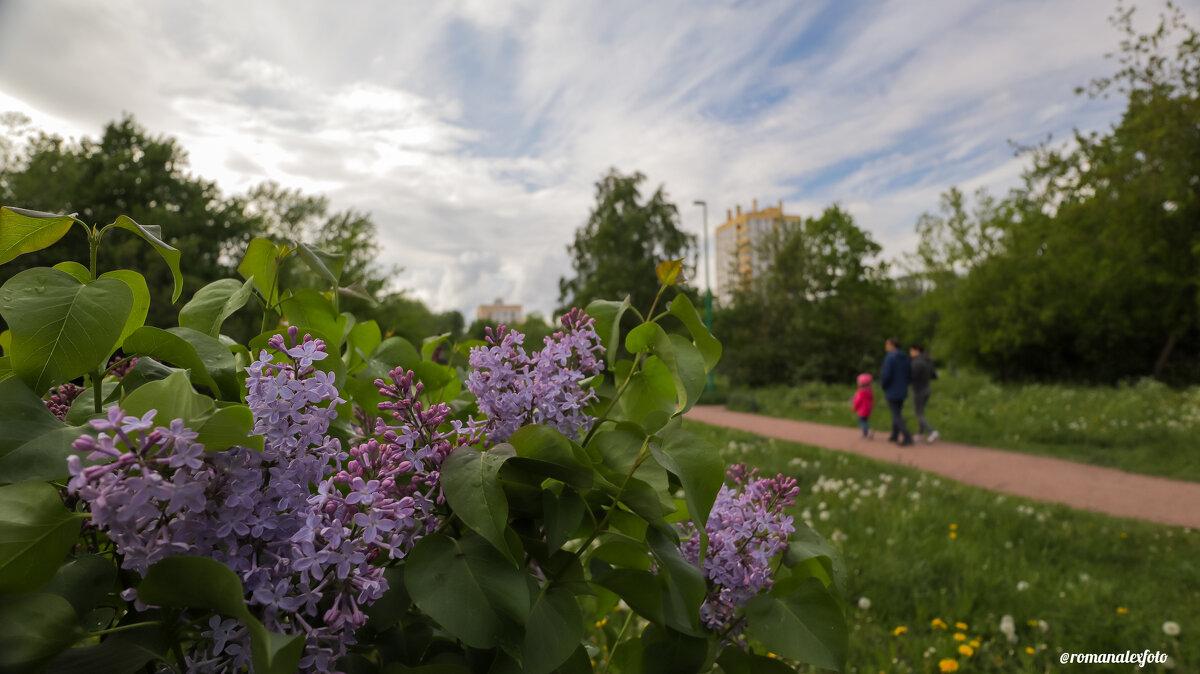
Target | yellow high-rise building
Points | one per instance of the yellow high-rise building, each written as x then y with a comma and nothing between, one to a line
737,241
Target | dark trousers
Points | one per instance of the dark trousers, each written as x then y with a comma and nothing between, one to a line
864,424
899,428
920,400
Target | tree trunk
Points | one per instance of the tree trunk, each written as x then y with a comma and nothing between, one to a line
1161,363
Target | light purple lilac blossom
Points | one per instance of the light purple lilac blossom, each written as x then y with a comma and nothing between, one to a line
746,528
514,388
306,552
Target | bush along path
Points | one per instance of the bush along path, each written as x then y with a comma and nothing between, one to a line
1105,490
323,499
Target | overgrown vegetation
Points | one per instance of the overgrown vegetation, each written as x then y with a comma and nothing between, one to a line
320,498
923,554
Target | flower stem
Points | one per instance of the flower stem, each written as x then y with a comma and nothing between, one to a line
122,628
97,393
641,457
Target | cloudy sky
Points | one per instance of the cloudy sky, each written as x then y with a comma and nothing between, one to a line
474,131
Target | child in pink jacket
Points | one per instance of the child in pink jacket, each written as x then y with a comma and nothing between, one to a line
864,401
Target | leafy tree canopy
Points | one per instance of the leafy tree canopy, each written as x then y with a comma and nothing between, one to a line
1090,270
615,253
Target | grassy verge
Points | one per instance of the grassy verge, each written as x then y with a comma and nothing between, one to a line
1144,428
920,548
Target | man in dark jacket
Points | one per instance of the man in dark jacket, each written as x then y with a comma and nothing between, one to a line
894,380
922,374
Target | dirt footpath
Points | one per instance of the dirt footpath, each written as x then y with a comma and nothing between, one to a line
1105,490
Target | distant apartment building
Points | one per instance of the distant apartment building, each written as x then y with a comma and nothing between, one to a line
506,314
737,258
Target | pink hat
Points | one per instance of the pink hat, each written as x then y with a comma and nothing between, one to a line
864,379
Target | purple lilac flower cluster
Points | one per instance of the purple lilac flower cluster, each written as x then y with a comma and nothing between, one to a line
746,528
514,388
160,494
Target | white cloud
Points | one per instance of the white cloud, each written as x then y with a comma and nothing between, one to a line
473,131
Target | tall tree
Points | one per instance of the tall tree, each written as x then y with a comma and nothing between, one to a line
820,310
614,254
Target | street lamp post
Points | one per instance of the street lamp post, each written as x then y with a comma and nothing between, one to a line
707,288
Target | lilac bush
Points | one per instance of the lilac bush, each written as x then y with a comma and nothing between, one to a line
746,528
294,543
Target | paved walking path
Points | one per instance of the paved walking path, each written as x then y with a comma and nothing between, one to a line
1106,490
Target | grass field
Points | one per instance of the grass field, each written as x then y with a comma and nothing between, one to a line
1144,428
921,549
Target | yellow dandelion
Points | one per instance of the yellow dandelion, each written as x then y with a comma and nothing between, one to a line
1121,610
1029,650
948,665
953,534
974,643
953,527
960,626
959,636
938,624
772,655
899,630
602,622
1031,623
966,650
1124,535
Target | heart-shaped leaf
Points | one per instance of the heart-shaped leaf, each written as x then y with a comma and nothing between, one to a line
36,533
215,302
807,625
324,264
227,427
173,397
152,235
468,587
141,299
62,329
174,348
469,481
261,264
33,629
553,632
24,231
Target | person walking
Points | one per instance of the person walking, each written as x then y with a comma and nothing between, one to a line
894,379
922,374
